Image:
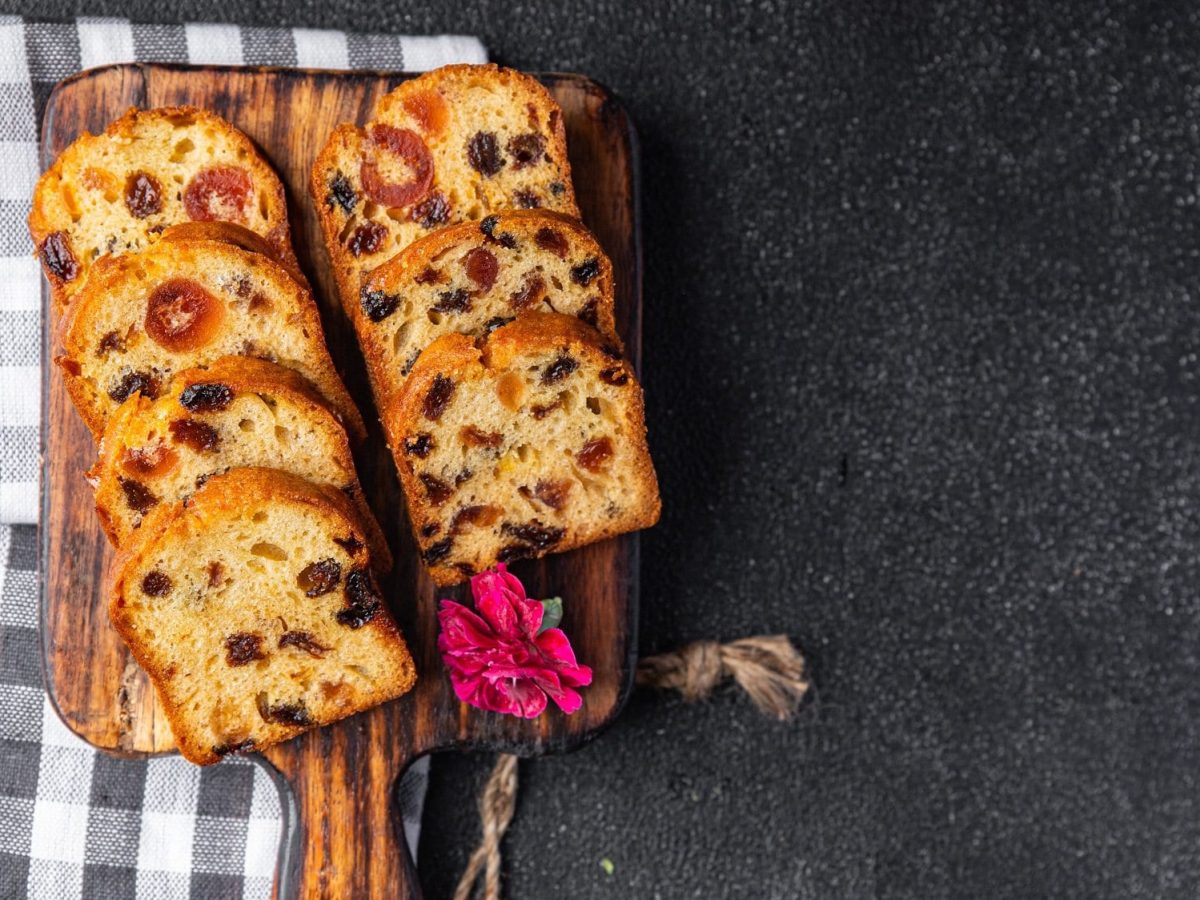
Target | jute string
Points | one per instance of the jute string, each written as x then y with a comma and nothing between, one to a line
768,668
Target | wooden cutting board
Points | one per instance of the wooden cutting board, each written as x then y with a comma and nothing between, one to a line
343,837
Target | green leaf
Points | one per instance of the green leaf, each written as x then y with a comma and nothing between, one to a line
551,613
607,865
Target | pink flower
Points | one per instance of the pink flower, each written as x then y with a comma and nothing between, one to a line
497,658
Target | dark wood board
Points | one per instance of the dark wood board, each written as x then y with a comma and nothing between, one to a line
342,835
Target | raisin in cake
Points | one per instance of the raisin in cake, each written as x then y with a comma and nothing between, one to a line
238,412
460,142
183,303
474,277
254,610
113,193
530,441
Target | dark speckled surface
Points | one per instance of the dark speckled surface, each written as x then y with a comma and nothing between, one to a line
922,323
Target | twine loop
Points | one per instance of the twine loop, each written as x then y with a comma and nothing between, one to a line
768,668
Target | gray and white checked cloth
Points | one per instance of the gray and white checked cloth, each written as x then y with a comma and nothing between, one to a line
74,822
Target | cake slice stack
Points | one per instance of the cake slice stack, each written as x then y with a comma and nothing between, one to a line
113,193
192,347
485,311
185,302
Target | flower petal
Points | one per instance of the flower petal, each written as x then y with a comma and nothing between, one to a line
526,697
495,657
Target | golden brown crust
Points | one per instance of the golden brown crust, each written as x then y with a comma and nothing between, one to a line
139,415
115,300
222,500
237,236
404,279
468,194
61,186
472,367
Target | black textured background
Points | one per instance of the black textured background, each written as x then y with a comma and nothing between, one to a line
922,323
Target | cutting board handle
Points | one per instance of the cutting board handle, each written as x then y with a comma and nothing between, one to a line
343,835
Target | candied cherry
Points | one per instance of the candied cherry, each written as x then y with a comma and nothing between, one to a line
218,194
481,267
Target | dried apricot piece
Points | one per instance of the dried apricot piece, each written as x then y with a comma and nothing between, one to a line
428,109
552,493
511,390
479,516
154,460
473,436
181,315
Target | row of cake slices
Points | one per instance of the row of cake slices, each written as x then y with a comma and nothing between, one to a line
485,313
196,349
246,576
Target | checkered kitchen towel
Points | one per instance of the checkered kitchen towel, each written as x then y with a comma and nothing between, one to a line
73,822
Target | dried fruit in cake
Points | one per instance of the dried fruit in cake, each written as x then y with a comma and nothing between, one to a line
214,599
237,412
471,278
515,446
459,143
114,193
187,302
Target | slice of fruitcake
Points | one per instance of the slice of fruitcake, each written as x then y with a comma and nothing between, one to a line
112,193
474,277
182,303
238,412
457,143
254,610
527,442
